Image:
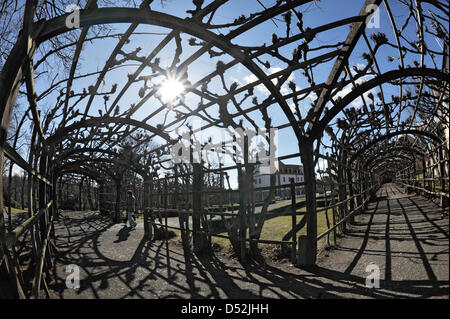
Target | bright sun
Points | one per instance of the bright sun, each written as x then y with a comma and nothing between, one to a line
170,89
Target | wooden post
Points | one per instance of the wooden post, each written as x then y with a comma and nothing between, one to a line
444,201
176,189
342,188
332,199
432,184
243,193
350,189
159,199
409,182
415,174
294,222
42,195
197,182
147,227
101,197
55,204
43,200
152,203
441,168
308,244
409,176
424,174
166,197
222,183
80,192
44,222
359,200
117,218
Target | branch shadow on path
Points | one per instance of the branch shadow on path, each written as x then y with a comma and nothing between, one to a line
167,270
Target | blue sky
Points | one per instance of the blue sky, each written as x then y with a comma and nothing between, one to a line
314,14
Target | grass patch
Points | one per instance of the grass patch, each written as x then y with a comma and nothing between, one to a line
275,229
15,210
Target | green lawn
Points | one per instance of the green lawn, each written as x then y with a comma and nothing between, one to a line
15,210
275,229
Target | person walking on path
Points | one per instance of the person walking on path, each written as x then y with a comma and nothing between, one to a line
131,208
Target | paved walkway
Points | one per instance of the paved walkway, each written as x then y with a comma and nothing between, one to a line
406,236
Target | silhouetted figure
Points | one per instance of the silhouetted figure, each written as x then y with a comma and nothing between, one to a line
131,208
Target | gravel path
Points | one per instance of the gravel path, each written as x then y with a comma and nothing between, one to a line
406,236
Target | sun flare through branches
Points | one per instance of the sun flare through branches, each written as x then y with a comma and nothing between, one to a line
171,89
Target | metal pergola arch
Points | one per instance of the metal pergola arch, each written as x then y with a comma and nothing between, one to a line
19,66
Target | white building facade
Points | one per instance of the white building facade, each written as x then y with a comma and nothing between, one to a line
283,175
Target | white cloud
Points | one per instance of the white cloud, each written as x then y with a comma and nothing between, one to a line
233,79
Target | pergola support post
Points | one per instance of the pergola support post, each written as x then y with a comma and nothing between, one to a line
307,245
101,198
424,175
342,187
197,181
351,192
444,200
415,174
148,229
359,183
117,213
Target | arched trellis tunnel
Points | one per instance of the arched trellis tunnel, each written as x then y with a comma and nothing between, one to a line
357,100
